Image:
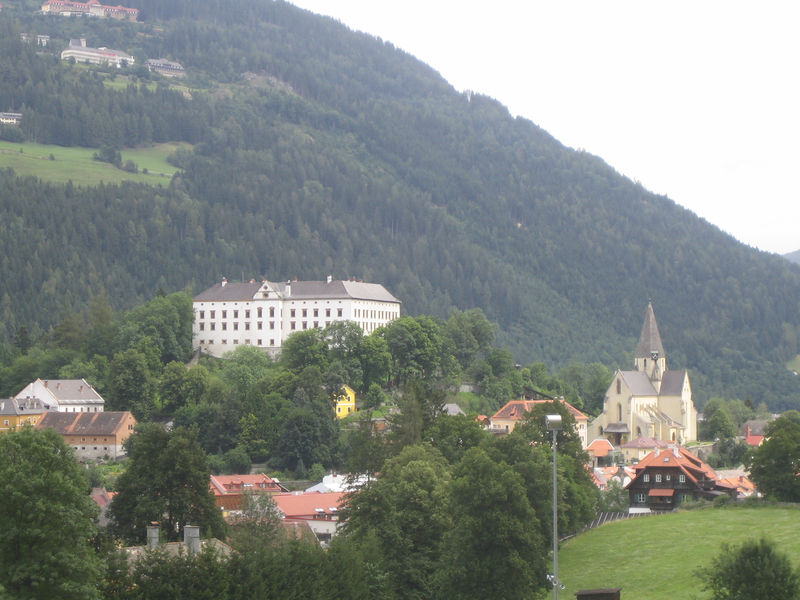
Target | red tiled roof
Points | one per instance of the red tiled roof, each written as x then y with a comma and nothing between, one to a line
516,409
680,457
600,447
309,505
645,442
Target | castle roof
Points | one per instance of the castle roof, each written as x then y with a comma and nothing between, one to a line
297,290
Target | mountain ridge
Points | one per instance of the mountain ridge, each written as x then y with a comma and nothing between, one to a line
365,162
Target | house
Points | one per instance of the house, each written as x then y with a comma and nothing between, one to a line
230,490
64,395
738,478
102,497
93,436
80,52
602,476
345,402
16,413
10,118
263,314
650,400
665,478
91,8
505,419
600,451
753,431
320,510
637,449
165,67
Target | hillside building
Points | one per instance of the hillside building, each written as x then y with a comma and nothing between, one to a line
506,419
650,401
93,436
80,52
165,67
15,414
63,395
92,8
263,314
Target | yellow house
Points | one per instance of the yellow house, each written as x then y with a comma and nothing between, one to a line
345,402
18,412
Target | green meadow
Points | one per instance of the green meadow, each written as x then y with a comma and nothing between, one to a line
77,165
655,557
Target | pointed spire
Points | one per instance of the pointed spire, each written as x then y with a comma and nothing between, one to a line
650,339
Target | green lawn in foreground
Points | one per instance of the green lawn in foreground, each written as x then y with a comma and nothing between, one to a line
77,164
654,557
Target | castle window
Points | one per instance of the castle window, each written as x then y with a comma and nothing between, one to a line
213,313
271,311
291,313
202,326
236,314
260,324
327,312
305,312
224,314
258,312
202,314
247,314
338,312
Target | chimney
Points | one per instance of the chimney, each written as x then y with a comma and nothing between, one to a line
45,383
288,292
191,538
58,386
329,279
224,281
152,534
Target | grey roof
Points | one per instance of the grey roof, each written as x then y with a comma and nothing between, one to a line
22,406
639,383
650,339
359,290
302,290
229,292
71,390
452,409
672,382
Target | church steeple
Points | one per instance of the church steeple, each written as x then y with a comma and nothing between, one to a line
650,356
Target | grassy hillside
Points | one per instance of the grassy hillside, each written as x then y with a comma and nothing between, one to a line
653,558
77,165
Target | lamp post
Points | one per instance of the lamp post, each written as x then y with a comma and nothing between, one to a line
554,425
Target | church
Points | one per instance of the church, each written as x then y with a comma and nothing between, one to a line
650,401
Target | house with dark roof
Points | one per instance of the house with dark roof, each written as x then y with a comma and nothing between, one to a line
263,314
665,478
93,436
649,401
505,419
16,413
64,395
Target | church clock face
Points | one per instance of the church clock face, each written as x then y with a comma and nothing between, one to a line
654,355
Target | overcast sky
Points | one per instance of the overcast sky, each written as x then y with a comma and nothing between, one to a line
696,100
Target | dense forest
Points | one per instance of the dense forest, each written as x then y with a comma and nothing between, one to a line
319,150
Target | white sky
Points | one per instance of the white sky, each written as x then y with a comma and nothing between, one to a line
697,100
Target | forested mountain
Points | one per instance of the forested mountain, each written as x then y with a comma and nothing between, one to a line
793,256
319,150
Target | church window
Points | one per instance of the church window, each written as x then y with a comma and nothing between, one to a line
619,386
619,411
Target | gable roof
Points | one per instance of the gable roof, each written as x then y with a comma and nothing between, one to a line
99,423
650,338
600,447
68,390
639,383
516,409
672,382
678,457
645,442
309,504
21,406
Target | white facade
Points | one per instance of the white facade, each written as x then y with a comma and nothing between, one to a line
264,314
64,395
79,51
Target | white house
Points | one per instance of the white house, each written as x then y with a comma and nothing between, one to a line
64,395
264,314
79,51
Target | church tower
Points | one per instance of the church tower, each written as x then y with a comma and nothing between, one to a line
650,356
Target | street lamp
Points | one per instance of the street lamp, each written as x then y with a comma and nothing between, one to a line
554,425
